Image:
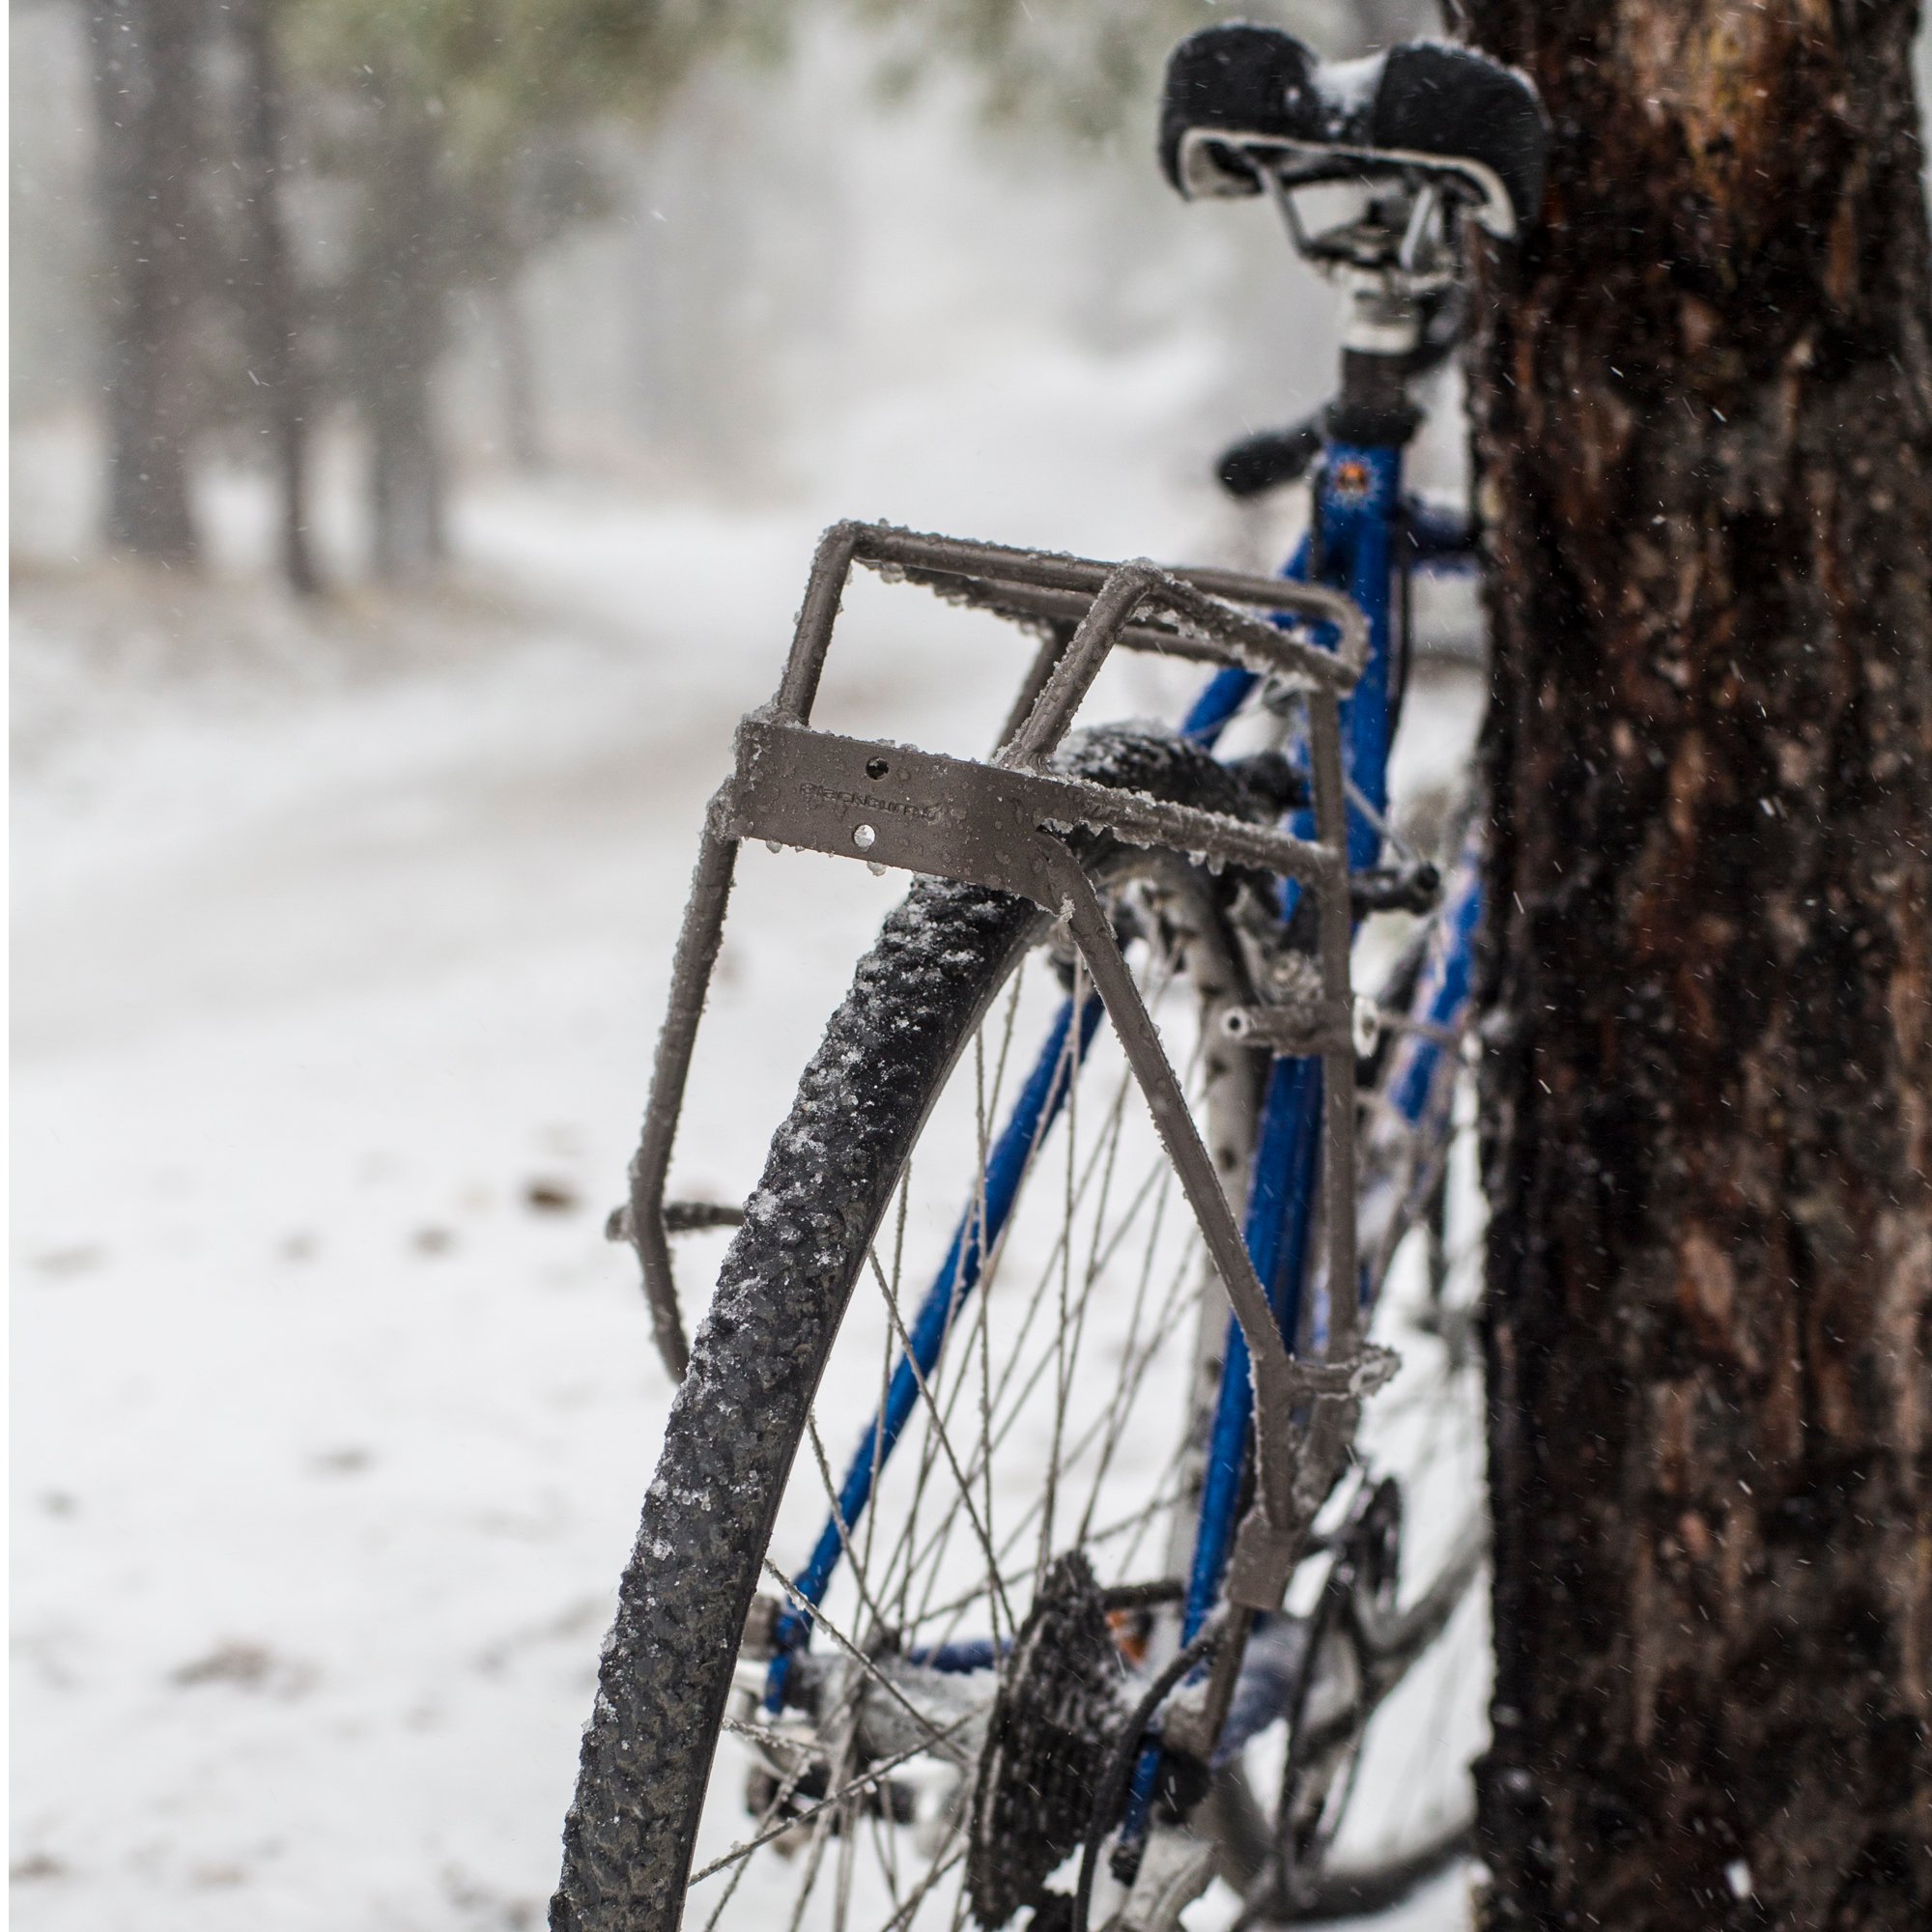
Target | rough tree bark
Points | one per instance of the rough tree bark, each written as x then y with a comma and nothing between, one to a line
1704,421
270,297
147,104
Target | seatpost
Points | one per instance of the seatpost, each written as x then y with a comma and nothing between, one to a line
1381,328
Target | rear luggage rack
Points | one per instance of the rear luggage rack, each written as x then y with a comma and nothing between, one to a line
1006,824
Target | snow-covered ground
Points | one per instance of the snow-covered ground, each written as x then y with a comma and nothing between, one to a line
341,940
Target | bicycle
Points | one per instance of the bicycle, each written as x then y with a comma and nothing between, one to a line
1129,1553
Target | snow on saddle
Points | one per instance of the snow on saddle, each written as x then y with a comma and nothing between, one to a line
1237,93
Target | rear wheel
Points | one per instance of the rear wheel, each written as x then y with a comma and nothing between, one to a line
1023,1539
983,1608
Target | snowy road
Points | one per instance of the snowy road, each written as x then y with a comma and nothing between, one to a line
333,1410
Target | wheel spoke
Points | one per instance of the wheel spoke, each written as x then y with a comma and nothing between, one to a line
934,1734
936,1422
995,1427
863,1782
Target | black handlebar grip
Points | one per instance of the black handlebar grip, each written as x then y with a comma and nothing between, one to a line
1270,459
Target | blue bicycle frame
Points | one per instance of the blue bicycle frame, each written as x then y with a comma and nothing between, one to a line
1361,516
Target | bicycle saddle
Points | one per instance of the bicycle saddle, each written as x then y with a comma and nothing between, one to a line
1446,110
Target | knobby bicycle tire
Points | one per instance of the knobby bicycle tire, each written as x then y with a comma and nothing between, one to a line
740,1415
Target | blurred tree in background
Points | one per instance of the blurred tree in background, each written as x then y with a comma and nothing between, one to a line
436,144
294,192
269,301
455,133
147,64
302,206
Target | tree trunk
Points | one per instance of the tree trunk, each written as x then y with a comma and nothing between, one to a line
405,506
271,305
1704,426
147,102
515,357
400,326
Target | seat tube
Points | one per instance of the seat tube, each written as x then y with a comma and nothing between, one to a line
1361,498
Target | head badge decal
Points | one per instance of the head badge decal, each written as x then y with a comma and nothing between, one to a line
1351,482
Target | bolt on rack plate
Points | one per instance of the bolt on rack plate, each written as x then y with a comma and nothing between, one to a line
1007,823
